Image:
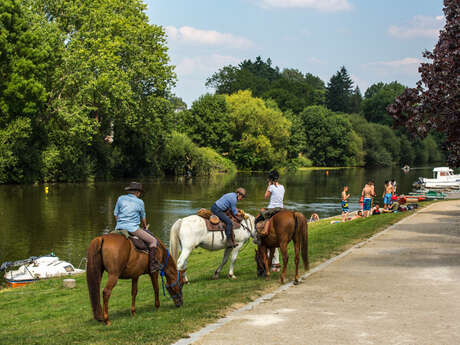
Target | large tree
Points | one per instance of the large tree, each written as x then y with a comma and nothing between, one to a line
434,104
376,99
340,91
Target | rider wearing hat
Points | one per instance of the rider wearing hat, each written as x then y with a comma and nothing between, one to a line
228,202
129,213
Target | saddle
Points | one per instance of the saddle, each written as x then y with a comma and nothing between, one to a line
213,223
138,244
263,227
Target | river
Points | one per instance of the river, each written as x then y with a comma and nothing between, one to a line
65,219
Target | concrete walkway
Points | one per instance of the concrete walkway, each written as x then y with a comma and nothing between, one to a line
402,287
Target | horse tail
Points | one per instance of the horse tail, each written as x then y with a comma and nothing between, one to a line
302,237
174,240
94,270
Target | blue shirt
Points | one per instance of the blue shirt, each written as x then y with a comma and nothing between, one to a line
228,201
129,211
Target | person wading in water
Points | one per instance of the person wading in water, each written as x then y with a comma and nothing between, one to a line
228,202
129,213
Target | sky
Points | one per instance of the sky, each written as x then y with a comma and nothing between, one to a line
376,40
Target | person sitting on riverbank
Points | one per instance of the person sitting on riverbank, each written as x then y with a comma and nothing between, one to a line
314,218
228,202
358,214
393,207
344,204
367,194
129,213
376,210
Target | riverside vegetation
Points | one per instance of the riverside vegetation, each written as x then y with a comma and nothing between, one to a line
47,313
87,94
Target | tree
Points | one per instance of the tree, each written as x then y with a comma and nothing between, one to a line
208,122
356,100
434,104
256,76
377,98
339,92
330,138
112,82
260,132
28,52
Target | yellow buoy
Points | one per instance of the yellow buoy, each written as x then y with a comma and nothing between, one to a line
46,190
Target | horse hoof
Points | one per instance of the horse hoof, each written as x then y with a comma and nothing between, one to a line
108,323
133,313
215,277
232,276
296,282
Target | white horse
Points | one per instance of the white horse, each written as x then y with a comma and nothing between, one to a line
191,232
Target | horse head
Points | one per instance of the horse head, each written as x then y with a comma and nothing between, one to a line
174,284
248,223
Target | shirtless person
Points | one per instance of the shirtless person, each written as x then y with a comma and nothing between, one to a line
387,193
368,192
345,209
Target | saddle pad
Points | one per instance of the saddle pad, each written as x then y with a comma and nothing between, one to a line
138,244
214,227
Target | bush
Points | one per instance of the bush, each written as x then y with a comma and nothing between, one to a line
182,157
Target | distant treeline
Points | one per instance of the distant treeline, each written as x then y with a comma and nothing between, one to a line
86,93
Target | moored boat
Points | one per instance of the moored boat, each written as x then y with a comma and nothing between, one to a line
37,268
443,177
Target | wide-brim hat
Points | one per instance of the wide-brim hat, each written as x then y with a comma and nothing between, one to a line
134,186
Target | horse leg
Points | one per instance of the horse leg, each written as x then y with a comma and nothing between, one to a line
284,253
235,252
156,288
111,282
270,257
133,295
296,259
222,264
182,262
263,251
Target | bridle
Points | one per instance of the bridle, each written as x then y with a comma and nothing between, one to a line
246,227
177,282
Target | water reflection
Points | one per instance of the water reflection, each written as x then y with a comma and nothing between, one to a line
70,215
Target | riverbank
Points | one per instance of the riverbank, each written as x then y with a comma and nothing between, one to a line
46,313
400,287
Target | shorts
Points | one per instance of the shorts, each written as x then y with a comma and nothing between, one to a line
387,199
345,208
367,204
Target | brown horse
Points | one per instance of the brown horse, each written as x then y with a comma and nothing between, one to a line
116,255
284,227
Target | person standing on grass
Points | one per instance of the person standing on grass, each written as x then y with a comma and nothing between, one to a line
367,194
387,193
345,209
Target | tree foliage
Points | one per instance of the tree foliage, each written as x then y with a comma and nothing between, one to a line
340,91
377,98
435,103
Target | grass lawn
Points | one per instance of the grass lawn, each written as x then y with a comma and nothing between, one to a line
47,313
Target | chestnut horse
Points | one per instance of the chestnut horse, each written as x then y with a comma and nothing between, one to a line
284,227
116,254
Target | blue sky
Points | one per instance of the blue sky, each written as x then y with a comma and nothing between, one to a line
376,40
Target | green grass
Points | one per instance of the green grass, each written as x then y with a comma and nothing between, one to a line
46,313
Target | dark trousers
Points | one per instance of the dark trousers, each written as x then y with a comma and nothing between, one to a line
223,217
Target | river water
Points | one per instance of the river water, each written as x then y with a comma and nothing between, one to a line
66,219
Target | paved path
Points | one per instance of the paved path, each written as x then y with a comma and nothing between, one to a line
402,287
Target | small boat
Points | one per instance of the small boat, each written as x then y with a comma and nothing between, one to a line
37,268
443,177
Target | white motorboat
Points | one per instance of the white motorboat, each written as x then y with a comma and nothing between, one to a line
43,267
443,177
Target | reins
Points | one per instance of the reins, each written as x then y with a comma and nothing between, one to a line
162,274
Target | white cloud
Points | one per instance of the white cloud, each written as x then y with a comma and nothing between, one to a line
190,35
315,61
204,64
322,5
419,26
361,83
407,66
